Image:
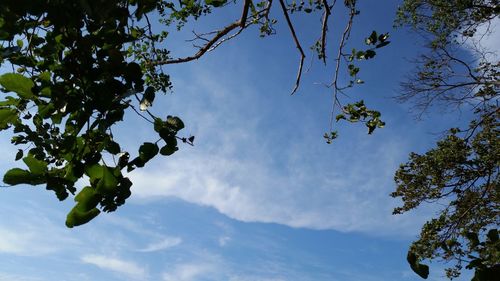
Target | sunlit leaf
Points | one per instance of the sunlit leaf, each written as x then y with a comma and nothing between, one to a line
17,83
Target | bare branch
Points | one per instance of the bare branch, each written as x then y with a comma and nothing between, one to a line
297,44
214,41
221,33
244,13
224,40
324,28
336,88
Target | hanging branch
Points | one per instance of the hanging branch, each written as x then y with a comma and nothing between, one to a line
336,88
297,44
324,28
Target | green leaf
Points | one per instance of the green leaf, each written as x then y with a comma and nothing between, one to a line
473,238
85,209
421,269
76,217
44,76
17,83
108,183
94,172
46,110
19,154
215,3
158,124
19,176
175,123
371,128
492,235
370,54
7,117
168,150
133,72
37,167
383,44
147,98
147,151
113,147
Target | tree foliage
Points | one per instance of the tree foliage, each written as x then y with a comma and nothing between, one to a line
80,67
462,172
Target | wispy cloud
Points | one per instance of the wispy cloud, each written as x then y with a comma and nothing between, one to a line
348,193
189,272
29,231
487,38
223,240
165,243
252,278
127,268
256,173
11,277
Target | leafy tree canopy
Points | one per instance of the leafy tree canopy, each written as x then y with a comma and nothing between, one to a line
462,172
79,67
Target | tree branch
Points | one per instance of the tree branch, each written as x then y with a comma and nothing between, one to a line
244,13
336,88
324,28
297,44
214,41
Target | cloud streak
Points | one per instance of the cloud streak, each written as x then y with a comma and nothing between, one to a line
28,231
128,268
188,272
165,243
255,173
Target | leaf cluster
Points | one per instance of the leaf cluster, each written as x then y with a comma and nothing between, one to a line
77,67
462,174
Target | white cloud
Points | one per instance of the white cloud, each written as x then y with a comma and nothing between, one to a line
165,243
486,39
249,166
189,271
351,198
28,231
16,277
253,278
128,268
223,240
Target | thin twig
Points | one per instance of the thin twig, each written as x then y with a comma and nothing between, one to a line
138,113
336,88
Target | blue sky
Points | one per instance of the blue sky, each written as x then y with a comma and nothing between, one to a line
260,196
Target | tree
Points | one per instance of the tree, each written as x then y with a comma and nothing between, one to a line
462,171
80,67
